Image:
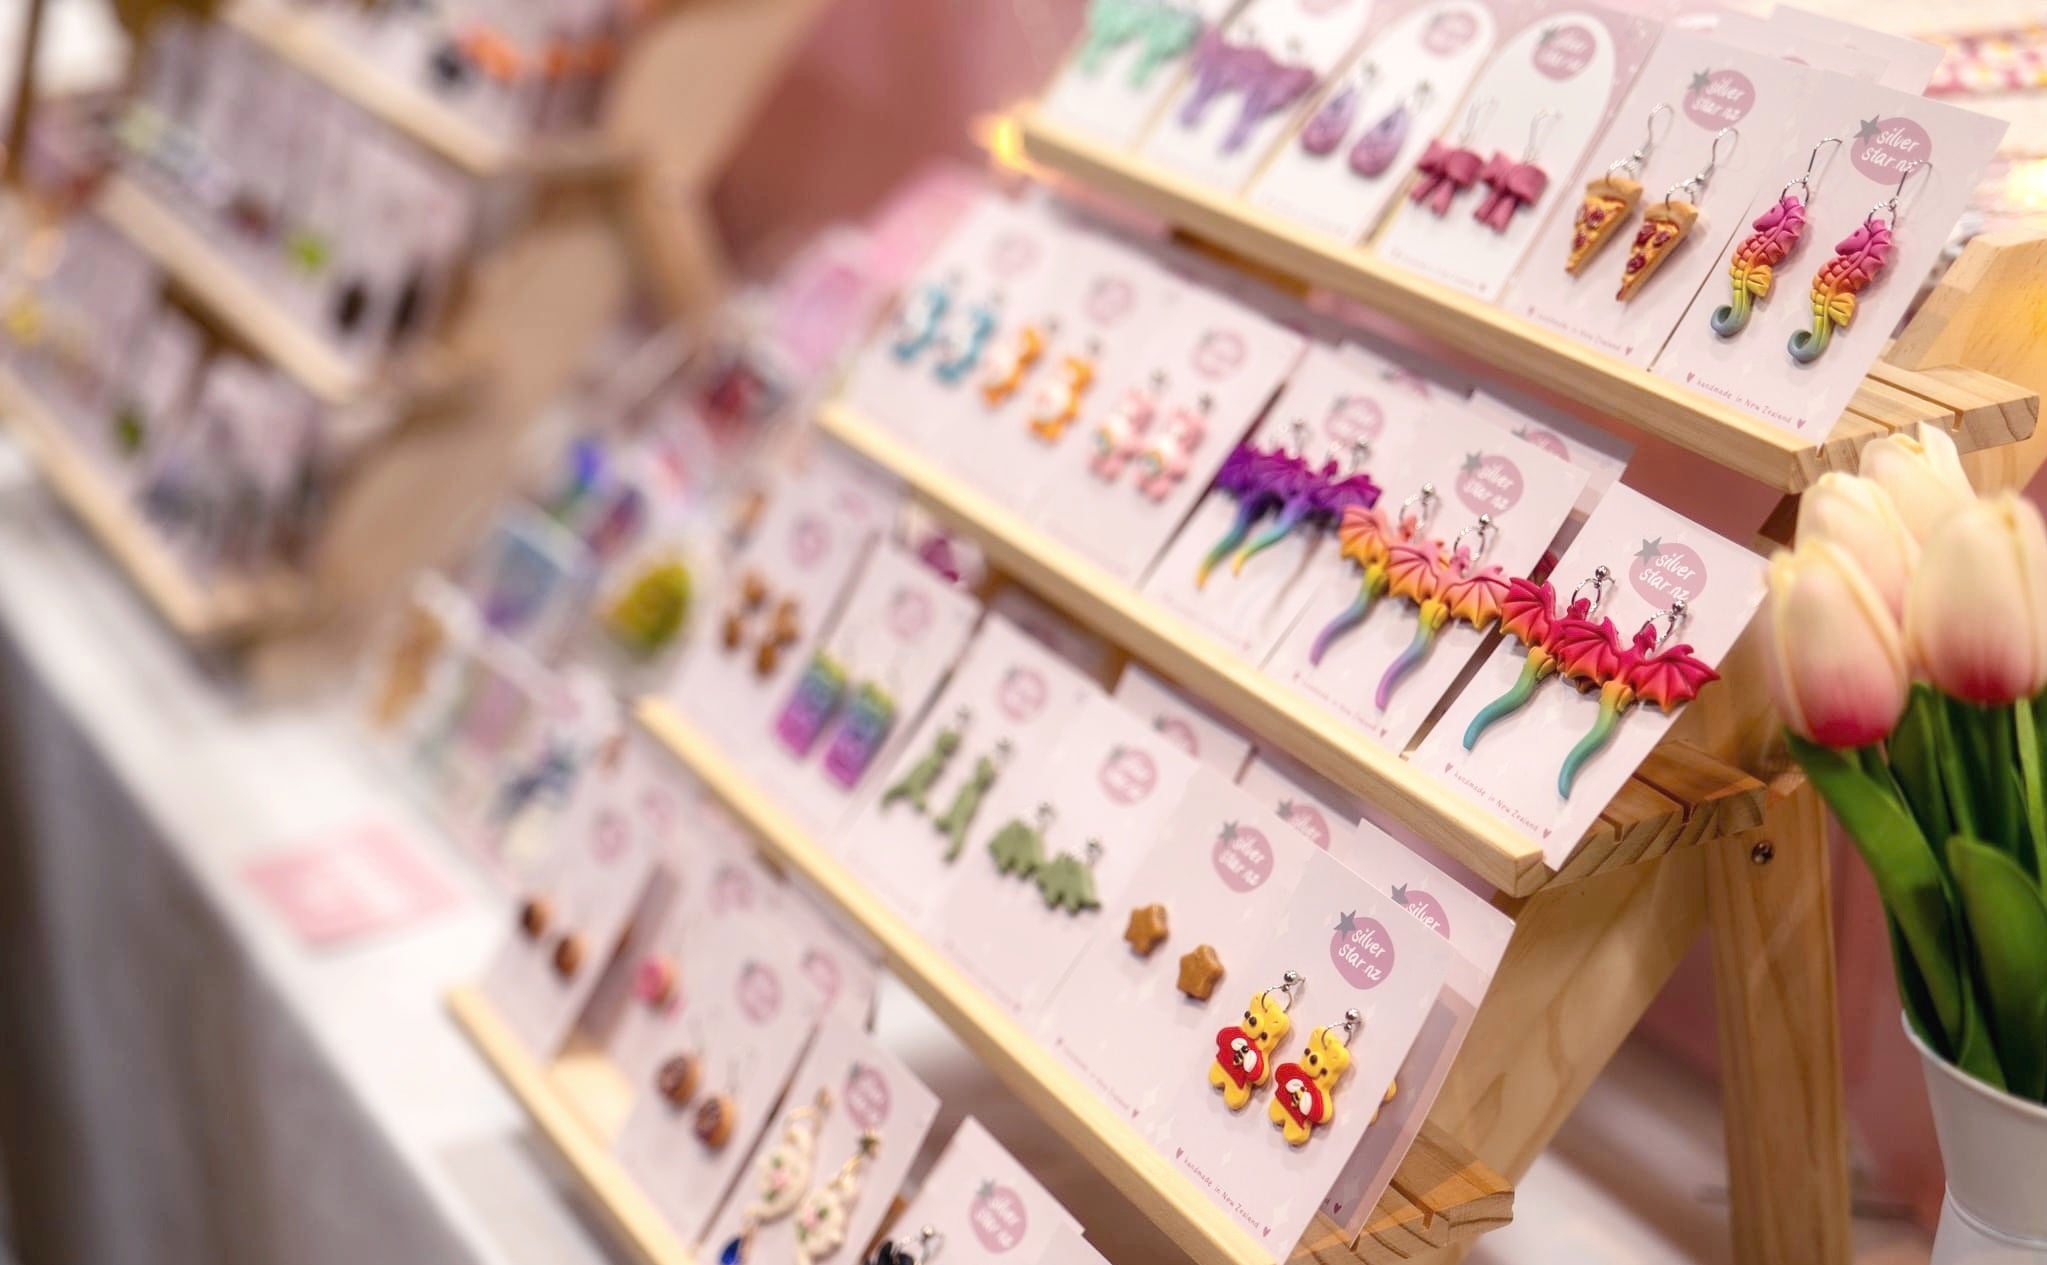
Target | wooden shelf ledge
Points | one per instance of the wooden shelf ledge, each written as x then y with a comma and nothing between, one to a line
215,612
1687,797
1979,410
1441,1193
301,38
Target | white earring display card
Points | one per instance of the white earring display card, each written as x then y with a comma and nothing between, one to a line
1794,341
1603,457
1706,120
983,1203
999,718
1513,149
1128,60
1552,764
1212,742
1346,165
1907,64
1360,647
1246,83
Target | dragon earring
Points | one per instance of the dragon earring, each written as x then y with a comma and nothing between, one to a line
1858,261
1611,199
1511,185
915,784
1381,142
1443,588
1650,669
1322,498
1260,480
1776,233
1364,537
1665,225
1528,614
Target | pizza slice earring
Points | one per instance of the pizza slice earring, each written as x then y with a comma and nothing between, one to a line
1665,225
1611,199
1243,1051
1304,1093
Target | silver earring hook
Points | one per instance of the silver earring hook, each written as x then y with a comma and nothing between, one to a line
1632,164
1889,206
1479,111
1352,1021
1485,531
1539,129
1422,93
1424,505
1673,619
1094,852
1804,182
1046,815
929,1244
1693,187
1601,581
1287,984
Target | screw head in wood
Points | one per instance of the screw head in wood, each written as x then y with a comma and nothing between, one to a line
1763,853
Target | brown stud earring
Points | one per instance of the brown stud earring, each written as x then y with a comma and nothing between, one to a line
1200,971
678,1079
1147,929
534,915
713,1125
568,955
735,630
753,590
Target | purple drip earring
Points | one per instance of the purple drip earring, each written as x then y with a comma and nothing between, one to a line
1331,123
1380,145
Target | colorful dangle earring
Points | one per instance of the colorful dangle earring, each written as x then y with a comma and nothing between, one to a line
1650,669
1456,588
1444,171
1326,497
1511,185
999,386
921,320
1380,144
966,802
869,719
1058,402
1220,67
781,1176
1665,225
1111,24
1120,437
1528,614
811,706
1364,536
1304,1093
1774,235
1611,199
1259,479
821,1220
958,363
896,1252
1169,31
1330,124
1243,1051
915,784
1068,882
1019,847
1858,261
1276,86
1170,454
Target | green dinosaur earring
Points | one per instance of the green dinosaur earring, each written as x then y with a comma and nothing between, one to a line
966,804
1019,847
915,785
1069,882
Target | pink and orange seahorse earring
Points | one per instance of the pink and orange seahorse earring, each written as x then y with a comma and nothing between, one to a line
1858,260
1774,235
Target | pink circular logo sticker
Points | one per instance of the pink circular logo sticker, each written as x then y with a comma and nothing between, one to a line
1179,733
1449,32
821,970
1547,440
1361,951
1565,50
1219,354
1356,419
1109,300
1022,694
1426,909
608,837
1242,857
909,614
1489,483
759,993
1719,98
1128,776
808,540
997,1215
867,1097
1307,819
1011,254
1666,571
1885,150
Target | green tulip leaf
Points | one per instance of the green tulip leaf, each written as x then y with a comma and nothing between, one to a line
2007,923
2031,789
1915,764
1912,988
1910,880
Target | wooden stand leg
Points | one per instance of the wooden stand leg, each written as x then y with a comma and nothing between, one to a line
1770,905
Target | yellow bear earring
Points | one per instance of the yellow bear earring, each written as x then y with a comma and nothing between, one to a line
1305,1097
1243,1052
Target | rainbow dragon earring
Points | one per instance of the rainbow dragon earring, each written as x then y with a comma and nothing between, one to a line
1321,499
1774,235
1858,261
1260,480
1528,614
1449,589
1364,536
1649,669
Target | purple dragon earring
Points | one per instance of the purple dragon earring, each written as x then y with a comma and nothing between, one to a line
1318,500
1261,480
1272,86
1219,67
1380,145
1331,123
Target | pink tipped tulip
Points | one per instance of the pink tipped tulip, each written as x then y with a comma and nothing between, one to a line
1833,656
1976,614
1857,514
1923,476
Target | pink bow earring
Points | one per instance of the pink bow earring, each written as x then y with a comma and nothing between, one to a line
1326,130
1380,145
1448,170
1512,185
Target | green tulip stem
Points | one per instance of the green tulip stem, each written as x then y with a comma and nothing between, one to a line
2031,789
1961,796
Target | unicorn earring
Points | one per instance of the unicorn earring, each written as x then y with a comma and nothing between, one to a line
1444,171
1528,614
1364,536
1611,199
1664,225
1120,437
1512,185
1858,261
1381,142
1330,124
1650,669
1774,235
1443,589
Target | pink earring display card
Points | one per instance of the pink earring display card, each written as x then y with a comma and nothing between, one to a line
868,1091
1385,671
1355,949
1402,89
1516,762
1007,706
1345,415
1121,71
1026,900
987,1206
1795,342
898,634
1162,423
1698,105
1211,741
1513,149
1907,64
754,1020
1246,83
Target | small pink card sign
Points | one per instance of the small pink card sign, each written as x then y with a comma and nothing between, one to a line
1175,717
363,880
985,1203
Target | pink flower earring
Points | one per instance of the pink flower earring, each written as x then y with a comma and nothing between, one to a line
1512,185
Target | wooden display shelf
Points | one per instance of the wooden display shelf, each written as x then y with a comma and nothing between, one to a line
220,284
1980,411
1679,797
1440,1197
209,612
301,38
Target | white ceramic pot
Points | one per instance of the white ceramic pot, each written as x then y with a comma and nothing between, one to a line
1995,1149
